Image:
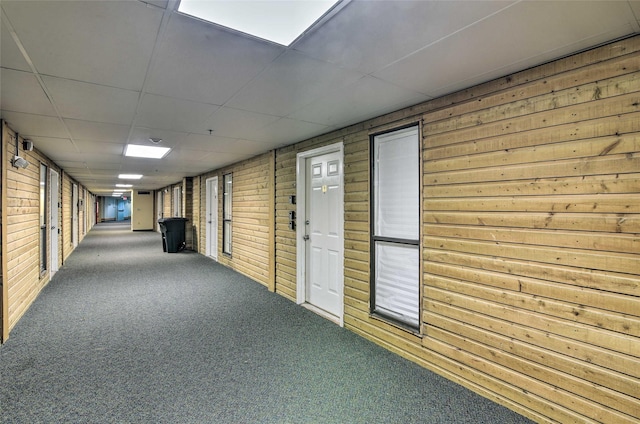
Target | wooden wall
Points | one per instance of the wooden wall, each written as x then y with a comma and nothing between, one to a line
252,213
66,188
187,211
531,236
531,248
196,214
22,279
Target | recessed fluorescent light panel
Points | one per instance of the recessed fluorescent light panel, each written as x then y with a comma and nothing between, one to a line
140,151
124,185
130,176
280,21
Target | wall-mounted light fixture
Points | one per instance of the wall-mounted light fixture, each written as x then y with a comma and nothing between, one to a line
17,161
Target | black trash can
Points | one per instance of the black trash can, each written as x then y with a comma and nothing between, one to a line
173,234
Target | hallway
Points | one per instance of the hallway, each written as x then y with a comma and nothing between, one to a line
127,333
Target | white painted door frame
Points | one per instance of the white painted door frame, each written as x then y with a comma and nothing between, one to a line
211,215
159,208
301,196
54,197
74,215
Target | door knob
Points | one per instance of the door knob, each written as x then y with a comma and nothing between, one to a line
305,237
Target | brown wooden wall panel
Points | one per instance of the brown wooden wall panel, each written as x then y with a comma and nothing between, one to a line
196,214
531,236
22,278
530,240
252,217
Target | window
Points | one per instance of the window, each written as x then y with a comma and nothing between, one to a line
43,218
227,203
177,201
395,226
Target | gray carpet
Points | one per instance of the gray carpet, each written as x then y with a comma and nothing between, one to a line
126,333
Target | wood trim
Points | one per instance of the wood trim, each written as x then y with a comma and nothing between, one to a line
4,324
271,284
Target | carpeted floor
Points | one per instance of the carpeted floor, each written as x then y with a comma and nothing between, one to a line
126,333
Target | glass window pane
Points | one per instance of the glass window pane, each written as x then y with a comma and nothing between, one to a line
227,196
397,285
227,205
43,217
396,184
227,236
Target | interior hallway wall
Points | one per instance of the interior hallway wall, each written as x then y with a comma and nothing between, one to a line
530,249
22,277
252,217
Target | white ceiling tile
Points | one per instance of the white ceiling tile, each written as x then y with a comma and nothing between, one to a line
229,122
198,61
368,35
34,125
102,148
173,114
635,11
157,3
72,166
286,131
222,144
104,42
91,102
106,166
482,52
10,55
182,156
141,135
55,148
365,98
291,82
97,131
21,92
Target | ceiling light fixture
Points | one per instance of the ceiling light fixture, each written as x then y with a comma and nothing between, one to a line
280,22
124,185
150,152
130,176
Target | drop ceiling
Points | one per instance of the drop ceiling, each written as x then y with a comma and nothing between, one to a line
81,79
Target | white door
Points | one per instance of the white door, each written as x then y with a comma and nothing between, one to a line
323,223
74,215
54,196
212,217
159,207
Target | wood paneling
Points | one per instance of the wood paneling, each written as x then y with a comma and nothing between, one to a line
21,253
531,224
22,278
531,236
252,217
